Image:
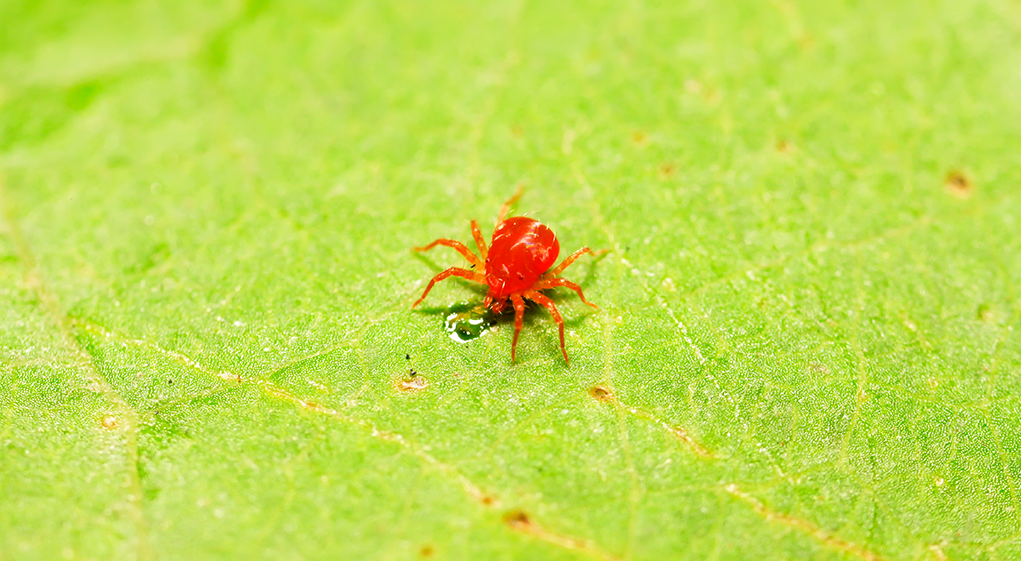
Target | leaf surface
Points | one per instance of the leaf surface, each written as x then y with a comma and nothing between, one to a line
806,344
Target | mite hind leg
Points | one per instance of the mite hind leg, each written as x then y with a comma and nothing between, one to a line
559,281
519,316
545,301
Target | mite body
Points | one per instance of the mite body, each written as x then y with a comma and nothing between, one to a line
515,266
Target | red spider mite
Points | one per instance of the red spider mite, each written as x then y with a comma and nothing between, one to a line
515,265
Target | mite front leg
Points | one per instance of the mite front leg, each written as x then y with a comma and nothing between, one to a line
451,272
506,206
567,262
460,247
479,240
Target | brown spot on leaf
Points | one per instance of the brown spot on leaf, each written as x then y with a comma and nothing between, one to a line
427,551
488,500
110,422
518,520
784,146
639,138
666,171
958,184
601,393
413,384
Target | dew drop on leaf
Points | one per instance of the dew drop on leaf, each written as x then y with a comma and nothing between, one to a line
466,322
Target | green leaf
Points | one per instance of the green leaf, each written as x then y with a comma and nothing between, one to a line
806,345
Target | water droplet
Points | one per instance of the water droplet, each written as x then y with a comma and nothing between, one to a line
467,322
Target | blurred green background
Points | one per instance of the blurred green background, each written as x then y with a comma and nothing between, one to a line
806,346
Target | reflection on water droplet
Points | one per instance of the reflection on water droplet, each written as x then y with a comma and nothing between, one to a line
467,322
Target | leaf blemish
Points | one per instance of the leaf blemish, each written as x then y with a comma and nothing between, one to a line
110,422
601,393
666,171
412,384
518,520
784,146
958,184
427,551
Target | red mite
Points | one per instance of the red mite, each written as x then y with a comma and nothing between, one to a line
515,266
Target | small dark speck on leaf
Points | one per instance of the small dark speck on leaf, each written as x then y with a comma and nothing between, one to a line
601,393
958,184
487,500
407,357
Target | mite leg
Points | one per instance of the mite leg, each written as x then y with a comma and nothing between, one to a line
567,262
560,281
533,295
451,272
519,316
479,240
460,247
506,206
